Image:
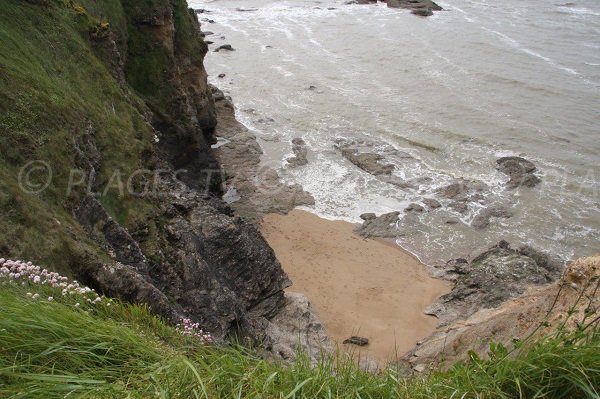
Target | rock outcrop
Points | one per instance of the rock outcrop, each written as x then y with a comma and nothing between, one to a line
492,277
258,187
571,302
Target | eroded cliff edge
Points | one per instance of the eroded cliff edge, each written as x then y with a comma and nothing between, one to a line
113,97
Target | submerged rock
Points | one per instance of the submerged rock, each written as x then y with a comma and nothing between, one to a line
432,203
483,218
367,161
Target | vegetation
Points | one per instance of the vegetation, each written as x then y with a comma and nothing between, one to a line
71,347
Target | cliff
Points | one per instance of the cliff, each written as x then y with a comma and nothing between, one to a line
106,170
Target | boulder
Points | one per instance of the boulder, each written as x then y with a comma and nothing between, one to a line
382,226
520,171
368,161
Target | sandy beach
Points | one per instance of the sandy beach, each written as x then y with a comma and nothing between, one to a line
358,286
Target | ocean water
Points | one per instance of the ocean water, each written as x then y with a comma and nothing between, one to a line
441,98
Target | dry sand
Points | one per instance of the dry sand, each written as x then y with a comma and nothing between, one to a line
358,286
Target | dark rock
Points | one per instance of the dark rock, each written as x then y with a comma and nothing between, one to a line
485,215
224,47
222,75
519,170
422,12
382,226
432,203
422,8
246,9
355,340
202,11
414,208
311,87
452,221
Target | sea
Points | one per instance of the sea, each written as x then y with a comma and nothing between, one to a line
441,98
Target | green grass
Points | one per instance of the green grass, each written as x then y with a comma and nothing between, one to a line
53,85
55,350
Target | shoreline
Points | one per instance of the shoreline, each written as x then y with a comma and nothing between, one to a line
384,302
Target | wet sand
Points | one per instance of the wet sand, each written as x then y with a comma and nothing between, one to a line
358,286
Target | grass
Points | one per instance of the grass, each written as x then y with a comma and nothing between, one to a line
53,85
55,350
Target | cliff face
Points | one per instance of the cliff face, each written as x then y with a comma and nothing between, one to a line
111,98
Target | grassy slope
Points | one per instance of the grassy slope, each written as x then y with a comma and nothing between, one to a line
52,85
49,350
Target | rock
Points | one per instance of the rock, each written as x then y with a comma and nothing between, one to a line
368,161
296,326
491,278
422,12
483,218
422,8
368,216
382,226
224,47
452,221
453,190
414,208
432,203
540,311
398,182
519,170
259,188
300,154
311,87
222,75
355,340
202,11
246,9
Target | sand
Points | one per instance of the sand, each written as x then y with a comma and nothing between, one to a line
358,286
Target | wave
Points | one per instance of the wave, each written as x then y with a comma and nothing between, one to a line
516,45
